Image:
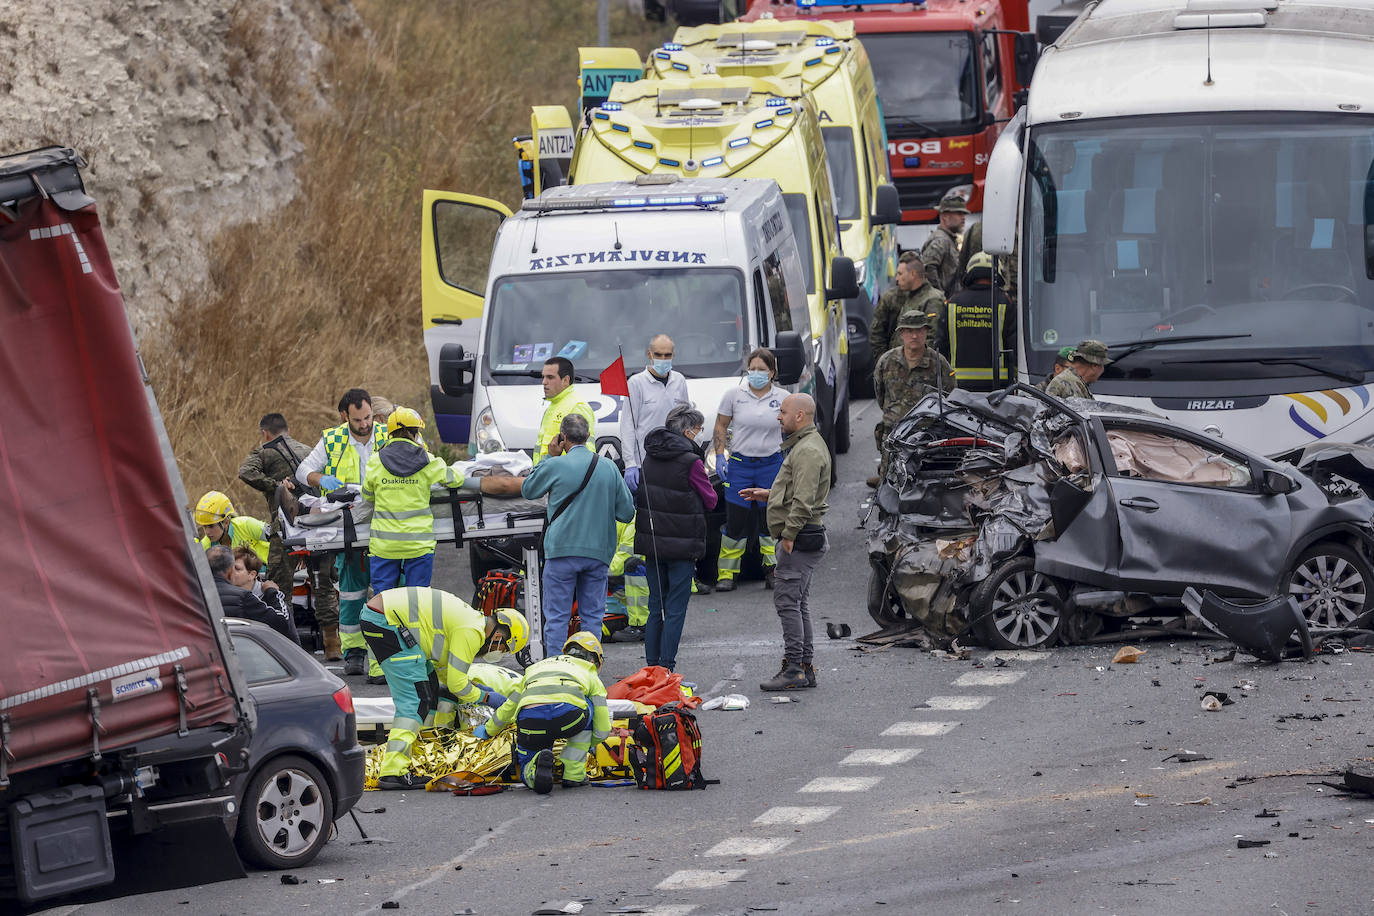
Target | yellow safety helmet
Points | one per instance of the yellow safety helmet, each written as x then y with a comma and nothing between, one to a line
980,262
584,645
403,418
213,508
516,626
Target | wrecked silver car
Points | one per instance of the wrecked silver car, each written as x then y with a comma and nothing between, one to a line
1029,521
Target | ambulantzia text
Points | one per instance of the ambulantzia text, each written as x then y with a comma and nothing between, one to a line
663,256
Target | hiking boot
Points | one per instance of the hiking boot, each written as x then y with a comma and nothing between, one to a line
333,649
543,772
355,663
873,481
576,783
725,585
768,579
810,671
630,634
376,678
790,677
403,781
702,588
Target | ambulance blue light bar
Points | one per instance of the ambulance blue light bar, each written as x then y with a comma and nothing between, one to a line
611,106
714,160
646,202
738,142
775,102
671,46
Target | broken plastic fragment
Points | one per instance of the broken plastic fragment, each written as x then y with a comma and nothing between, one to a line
1127,655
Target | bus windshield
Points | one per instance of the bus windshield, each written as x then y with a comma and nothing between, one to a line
590,316
925,80
1246,237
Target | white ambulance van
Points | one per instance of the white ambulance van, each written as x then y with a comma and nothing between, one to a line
593,271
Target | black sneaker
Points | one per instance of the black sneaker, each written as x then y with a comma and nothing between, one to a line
376,678
543,772
355,663
404,781
810,671
630,634
725,585
790,677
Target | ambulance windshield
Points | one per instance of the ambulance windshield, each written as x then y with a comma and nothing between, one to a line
590,316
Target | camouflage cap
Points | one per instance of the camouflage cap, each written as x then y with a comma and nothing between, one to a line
1065,353
953,203
914,318
1092,351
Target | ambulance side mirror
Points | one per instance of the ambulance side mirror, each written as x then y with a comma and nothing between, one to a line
887,206
844,279
787,347
456,371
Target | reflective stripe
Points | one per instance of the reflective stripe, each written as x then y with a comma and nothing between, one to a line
437,611
447,706
346,628
555,690
436,652
427,535
398,746
413,605
457,664
407,513
359,595
404,724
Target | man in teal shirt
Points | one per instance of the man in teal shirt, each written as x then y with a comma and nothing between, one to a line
587,496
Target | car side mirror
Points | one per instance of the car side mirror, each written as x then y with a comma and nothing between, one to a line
1276,483
456,373
844,279
788,348
887,205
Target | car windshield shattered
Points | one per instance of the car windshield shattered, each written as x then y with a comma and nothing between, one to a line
1026,521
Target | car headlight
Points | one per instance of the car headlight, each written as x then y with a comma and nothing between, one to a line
487,435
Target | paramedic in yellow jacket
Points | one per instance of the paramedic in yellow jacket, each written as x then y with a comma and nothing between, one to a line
425,640
628,567
219,524
397,482
557,379
559,698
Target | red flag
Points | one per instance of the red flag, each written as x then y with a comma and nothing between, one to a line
613,379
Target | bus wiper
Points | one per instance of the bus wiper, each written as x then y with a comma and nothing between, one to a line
912,122
1135,346
1348,376
528,373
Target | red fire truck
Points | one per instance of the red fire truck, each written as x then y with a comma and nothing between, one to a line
950,73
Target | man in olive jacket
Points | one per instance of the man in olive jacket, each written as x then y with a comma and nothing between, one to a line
274,459
796,510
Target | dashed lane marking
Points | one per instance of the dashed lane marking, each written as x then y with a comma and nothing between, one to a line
694,879
748,846
919,729
671,909
988,678
841,784
950,703
879,757
787,815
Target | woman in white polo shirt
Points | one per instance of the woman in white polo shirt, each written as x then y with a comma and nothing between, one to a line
748,417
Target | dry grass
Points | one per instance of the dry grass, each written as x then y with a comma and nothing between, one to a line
325,294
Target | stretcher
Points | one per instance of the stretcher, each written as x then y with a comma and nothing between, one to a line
332,526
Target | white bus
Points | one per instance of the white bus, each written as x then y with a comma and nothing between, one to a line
1192,181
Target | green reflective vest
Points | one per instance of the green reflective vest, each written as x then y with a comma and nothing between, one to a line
560,679
402,520
560,405
341,458
446,629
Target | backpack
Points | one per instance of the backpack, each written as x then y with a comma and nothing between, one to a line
666,753
497,589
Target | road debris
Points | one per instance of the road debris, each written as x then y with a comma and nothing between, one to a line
1127,655
1204,800
1243,843
729,702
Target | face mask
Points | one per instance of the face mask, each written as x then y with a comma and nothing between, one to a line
491,658
758,379
661,366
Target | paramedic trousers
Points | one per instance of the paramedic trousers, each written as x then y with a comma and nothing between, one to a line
354,579
538,727
791,582
413,571
414,689
566,578
744,519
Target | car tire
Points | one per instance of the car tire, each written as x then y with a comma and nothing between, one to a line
286,814
842,430
1018,608
1333,585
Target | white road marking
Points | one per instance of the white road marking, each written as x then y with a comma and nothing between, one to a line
841,784
672,909
694,879
988,678
949,703
786,815
919,729
879,757
1020,655
748,846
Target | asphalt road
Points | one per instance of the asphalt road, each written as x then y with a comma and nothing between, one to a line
1040,783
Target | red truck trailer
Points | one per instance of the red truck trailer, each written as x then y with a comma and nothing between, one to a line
950,73
122,710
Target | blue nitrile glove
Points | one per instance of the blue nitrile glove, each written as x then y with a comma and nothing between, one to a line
492,698
722,467
481,732
634,566
329,483
632,478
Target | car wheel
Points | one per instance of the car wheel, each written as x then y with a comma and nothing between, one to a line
1333,585
287,814
842,430
883,604
1017,607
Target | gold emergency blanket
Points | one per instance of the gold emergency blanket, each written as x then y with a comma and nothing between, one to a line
440,753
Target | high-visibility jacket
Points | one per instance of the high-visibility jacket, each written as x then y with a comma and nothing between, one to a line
560,405
245,531
560,679
975,334
446,629
341,459
397,483
624,548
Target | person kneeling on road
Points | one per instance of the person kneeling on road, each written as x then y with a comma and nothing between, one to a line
559,698
425,639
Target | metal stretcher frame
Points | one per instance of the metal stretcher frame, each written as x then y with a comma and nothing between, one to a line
529,526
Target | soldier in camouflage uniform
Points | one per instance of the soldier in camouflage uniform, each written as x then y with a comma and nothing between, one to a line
941,252
275,459
1085,367
1061,362
906,374
911,292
